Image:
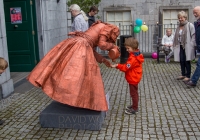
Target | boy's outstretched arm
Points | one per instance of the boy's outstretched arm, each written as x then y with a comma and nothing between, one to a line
128,65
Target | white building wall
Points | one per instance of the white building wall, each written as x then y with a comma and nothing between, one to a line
51,29
148,10
151,12
52,23
6,84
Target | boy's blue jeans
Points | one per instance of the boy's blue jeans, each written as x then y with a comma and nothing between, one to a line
196,75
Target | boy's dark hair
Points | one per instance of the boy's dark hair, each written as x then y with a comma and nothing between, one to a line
93,8
3,63
131,42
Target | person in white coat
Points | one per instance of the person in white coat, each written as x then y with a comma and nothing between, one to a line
183,44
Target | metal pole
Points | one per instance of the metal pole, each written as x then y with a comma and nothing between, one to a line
158,45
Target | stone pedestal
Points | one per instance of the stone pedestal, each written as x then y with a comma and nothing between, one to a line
58,115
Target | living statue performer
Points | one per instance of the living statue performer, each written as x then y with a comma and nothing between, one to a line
69,73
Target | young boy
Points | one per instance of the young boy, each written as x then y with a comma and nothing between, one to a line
3,66
133,72
167,42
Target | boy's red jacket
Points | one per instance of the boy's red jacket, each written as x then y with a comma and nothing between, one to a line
133,67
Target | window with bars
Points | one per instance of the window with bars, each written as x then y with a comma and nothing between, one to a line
122,19
170,19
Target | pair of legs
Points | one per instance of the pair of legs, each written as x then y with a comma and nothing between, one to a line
196,75
168,53
134,96
185,65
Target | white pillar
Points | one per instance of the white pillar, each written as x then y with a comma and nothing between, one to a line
6,84
51,24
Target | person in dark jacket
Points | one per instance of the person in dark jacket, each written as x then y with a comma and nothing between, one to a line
93,11
196,75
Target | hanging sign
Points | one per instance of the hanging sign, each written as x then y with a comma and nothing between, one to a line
16,15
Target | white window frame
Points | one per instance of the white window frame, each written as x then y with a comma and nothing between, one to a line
187,8
170,19
123,23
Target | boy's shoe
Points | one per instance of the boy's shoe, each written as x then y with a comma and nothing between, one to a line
130,111
1,122
130,107
190,84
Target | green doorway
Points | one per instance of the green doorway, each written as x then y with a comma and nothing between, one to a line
20,18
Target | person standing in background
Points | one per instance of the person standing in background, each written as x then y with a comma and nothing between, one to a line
80,22
196,75
91,19
183,45
93,11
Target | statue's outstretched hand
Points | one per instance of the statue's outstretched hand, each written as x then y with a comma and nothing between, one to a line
106,62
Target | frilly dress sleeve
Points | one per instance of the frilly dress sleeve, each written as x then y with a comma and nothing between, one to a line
107,37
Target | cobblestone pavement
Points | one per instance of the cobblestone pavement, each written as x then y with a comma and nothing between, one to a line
168,110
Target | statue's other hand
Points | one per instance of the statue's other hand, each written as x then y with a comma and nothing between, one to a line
106,62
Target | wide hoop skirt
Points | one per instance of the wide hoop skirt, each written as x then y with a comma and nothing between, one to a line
69,74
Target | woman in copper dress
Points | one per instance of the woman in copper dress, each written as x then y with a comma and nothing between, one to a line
70,74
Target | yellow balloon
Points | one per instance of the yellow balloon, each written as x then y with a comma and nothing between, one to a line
144,28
